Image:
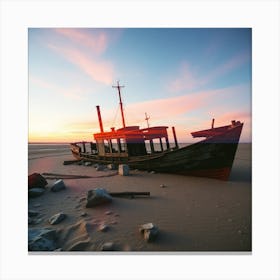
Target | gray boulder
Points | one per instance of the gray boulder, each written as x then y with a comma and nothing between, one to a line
57,218
42,239
58,186
97,196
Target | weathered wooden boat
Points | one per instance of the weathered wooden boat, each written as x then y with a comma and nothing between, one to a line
149,149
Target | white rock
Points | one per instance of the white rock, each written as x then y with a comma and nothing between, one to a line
57,218
58,186
123,169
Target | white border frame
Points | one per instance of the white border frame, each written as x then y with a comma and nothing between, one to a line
262,16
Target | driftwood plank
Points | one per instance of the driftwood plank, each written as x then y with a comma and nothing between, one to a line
131,194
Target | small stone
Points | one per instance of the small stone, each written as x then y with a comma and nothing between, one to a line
58,186
103,228
149,231
123,169
108,246
83,214
162,186
111,166
147,226
78,206
57,218
108,212
152,172
239,231
100,168
87,163
35,192
82,199
97,196
113,222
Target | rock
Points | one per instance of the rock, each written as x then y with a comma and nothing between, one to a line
152,172
162,186
149,231
108,212
57,218
103,227
83,214
58,186
97,196
34,192
100,168
43,239
111,166
82,199
108,246
123,169
87,163
36,180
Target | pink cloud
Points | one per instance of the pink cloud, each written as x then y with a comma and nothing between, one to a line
185,80
74,92
180,104
96,42
97,70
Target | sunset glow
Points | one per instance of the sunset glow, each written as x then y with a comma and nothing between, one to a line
179,77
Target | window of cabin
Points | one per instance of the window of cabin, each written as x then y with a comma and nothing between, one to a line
107,146
148,146
157,146
123,145
115,148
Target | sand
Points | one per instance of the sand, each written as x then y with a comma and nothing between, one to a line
192,214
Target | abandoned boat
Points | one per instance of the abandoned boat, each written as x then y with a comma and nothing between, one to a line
149,149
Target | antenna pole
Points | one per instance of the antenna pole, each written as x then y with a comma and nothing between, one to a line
120,97
147,119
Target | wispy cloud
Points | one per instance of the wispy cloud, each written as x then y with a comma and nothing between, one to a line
169,108
96,42
185,79
226,67
100,71
188,78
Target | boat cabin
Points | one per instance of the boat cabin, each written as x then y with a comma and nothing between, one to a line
132,141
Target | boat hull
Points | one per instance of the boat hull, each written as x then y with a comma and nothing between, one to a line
212,157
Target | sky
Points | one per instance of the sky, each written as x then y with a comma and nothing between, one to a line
181,77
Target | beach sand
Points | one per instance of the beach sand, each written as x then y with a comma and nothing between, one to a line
192,214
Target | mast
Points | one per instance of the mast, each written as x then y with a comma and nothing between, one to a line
120,97
147,119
